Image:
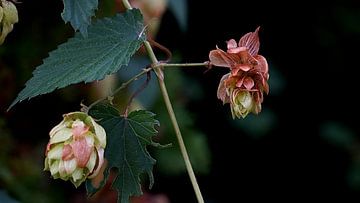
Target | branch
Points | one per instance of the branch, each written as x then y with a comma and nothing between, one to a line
123,85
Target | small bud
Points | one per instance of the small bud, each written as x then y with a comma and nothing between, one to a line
76,148
8,17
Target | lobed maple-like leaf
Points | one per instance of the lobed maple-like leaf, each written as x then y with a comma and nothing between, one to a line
109,46
127,138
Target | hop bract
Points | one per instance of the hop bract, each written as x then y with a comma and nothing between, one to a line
76,148
8,17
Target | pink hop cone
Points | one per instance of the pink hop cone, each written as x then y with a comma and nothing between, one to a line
244,85
76,148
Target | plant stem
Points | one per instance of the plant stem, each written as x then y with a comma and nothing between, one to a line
181,64
126,4
123,85
175,124
141,88
171,112
156,68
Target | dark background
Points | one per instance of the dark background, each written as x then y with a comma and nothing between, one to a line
305,143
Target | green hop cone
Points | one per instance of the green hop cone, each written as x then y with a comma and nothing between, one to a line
8,17
75,151
242,103
1,14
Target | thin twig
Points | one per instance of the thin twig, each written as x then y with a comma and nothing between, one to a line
164,49
160,64
137,92
148,68
123,85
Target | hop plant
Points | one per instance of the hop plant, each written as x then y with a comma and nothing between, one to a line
76,148
8,17
75,151
243,87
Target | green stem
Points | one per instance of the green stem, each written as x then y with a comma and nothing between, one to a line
175,124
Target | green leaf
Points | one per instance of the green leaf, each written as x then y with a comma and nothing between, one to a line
127,138
4,197
79,13
180,10
111,43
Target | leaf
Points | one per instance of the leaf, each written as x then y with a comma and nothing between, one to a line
79,13
127,138
110,45
4,197
180,10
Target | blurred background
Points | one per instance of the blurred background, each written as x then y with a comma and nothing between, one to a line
304,144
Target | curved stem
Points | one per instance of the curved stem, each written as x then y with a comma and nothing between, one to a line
162,48
157,70
141,88
175,124
126,4
123,85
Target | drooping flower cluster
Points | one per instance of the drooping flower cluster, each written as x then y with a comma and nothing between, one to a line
243,87
8,17
76,148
